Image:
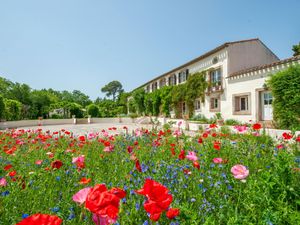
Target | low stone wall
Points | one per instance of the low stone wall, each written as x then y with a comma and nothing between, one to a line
30,123
194,126
112,120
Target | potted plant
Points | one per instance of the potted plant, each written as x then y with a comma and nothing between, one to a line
220,120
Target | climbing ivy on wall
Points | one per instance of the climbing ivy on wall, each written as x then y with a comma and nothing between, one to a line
195,88
167,97
285,88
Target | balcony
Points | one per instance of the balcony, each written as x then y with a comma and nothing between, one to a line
214,89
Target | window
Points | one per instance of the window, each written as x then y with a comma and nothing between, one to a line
162,82
148,88
154,86
216,77
215,104
197,105
183,76
241,104
172,80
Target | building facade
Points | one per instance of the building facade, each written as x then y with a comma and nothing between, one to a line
237,73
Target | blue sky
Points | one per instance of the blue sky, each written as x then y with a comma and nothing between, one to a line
84,44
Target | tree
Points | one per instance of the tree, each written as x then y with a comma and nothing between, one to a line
93,110
123,102
75,109
81,98
41,101
2,107
113,88
296,49
139,98
12,109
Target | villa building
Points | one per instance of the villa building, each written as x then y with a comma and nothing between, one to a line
237,72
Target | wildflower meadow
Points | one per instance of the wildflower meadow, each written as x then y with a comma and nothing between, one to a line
153,176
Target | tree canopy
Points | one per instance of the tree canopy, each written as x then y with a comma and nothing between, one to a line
296,49
113,88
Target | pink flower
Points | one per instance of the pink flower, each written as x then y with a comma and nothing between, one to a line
239,172
103,220
177,133
218,160
179,123
108,148
38,162
79,159
241,128
138,133
81,195
3,182
192,156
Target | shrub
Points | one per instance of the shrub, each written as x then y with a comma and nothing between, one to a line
75,109
285,87
93,110
56,116
201,118
12,109
231,122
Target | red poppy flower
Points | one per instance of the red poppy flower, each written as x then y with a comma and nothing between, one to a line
85,180
182,155
205,135
56,164
196,165
104,202
173,151
7,167
298,139
217,145
158,198
256,126
106,143
172,213
138,165
213,125
12,173
38,219
200,140
287,136
81,138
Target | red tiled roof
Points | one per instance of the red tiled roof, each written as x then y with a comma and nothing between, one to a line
252,69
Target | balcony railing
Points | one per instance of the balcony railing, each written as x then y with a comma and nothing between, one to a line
215,88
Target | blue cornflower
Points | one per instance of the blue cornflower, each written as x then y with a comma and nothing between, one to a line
137,206
71,216
193,199
5,193
58,178
229,187
146,222
25,215
55,209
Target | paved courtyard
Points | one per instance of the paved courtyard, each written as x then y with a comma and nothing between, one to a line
81,129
